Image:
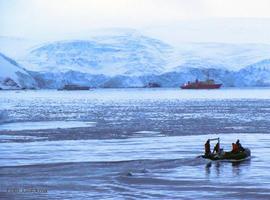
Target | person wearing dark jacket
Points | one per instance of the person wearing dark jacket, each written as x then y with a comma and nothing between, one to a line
207,148
240,148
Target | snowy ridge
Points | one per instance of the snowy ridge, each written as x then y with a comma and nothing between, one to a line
12,76
221,55
257,74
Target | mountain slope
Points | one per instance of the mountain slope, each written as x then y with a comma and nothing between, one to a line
221,55
12,76
128,54
257,74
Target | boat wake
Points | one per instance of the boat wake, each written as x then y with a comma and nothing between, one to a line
141,163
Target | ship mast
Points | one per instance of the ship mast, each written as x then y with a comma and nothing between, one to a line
206,72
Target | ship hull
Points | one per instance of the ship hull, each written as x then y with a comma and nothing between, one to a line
74,87
202,86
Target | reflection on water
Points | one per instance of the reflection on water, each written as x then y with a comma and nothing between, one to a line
218,167
238,166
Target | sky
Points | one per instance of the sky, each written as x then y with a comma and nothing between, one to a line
63,18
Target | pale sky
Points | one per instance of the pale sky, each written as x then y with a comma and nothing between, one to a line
48,18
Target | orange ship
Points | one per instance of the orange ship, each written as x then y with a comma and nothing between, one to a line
208,84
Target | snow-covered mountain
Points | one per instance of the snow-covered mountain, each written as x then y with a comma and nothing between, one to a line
221,55
12,76
128,54
257,74
133,54
129,59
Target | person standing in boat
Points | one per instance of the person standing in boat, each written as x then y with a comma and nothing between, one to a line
207,148
240,148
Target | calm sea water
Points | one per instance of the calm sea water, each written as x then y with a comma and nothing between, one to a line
132,144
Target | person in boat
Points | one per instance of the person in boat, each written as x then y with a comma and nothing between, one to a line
235,148
217,148
240,148
207,148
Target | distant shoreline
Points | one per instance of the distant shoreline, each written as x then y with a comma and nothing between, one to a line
146,88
